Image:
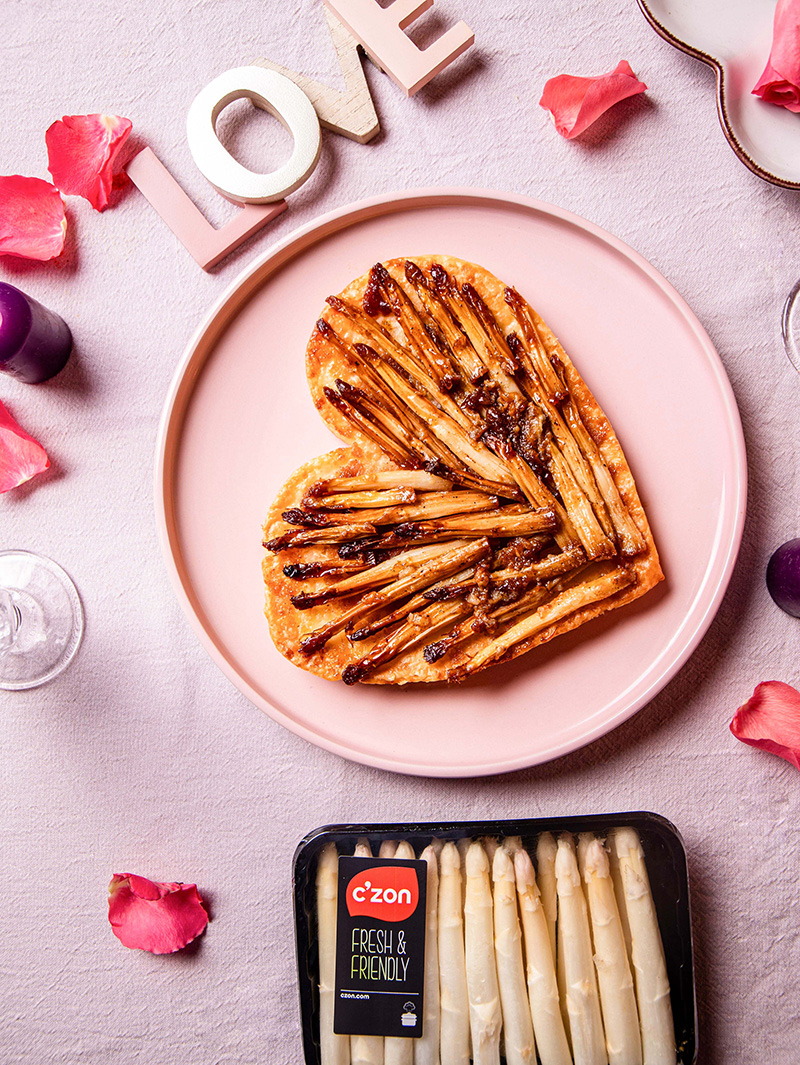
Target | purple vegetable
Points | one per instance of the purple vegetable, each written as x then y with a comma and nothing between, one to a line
783,577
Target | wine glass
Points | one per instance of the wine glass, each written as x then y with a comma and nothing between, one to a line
790,327
41,620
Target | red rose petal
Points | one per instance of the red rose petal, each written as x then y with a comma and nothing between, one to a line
81,151
770,720
148,915
577,102
21,457
32,220
780,82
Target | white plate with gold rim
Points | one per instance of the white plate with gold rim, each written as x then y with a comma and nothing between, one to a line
735,37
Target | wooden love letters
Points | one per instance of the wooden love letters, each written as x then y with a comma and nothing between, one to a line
380,32
302,105
281,98
350,113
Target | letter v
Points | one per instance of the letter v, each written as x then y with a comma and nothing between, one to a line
352,112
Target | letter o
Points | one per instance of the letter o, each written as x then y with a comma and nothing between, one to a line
276,94
387,892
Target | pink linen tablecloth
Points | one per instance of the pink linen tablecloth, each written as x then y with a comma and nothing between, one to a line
142,757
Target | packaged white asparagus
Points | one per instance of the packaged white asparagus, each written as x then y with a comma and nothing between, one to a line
614,976
483,991
454,1034
647,957
516,1010
577,961
374,992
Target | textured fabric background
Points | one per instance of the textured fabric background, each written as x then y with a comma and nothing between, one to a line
142,757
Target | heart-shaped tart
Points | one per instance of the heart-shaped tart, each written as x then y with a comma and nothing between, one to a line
484,504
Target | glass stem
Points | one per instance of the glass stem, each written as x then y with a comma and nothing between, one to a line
790,327
10,620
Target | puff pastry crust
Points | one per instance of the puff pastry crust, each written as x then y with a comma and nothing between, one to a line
483,505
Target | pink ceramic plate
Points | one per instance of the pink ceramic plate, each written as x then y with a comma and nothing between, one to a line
239,419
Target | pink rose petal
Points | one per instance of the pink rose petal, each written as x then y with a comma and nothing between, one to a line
32,219
577,102
770,720
21,457
780,82
147,915
81,151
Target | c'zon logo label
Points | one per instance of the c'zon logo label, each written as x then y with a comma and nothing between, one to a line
388,892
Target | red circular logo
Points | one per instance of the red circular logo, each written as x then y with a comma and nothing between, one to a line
387,892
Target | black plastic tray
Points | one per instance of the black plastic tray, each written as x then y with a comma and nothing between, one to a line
665,855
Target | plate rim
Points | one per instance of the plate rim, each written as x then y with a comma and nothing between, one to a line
239,291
